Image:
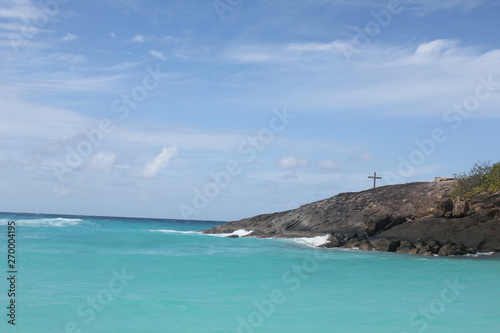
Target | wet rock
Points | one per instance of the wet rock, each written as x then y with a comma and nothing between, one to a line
452,250
434,246
365,245
407,247
386,245
353,243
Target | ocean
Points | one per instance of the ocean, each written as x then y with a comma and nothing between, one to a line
100,274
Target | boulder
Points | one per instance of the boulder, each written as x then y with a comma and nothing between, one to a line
434,246
386,245
365,245
407,247
460,208
442,207
335,241
452,250
353,243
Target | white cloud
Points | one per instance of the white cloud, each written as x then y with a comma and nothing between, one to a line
426,7
292,162
20,120
140,38
157,54
101,162
328,165
69,37
153,167
18,9
112,35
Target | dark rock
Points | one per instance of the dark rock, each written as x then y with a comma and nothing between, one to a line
419,213
353,243
452,250
365,245
434,246
460,208
386,245
489,213
406,247
425,250
367,212
420,244
335,241
442,207
232,236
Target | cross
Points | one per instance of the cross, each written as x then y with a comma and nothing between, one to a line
374,179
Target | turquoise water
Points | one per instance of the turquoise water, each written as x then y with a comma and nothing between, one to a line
91,274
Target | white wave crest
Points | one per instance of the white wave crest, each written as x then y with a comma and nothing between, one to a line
47,222
240,233
480,254
311,241
167,231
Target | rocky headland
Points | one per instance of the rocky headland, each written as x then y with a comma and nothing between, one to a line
415,218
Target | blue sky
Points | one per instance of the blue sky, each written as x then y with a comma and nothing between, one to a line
227,109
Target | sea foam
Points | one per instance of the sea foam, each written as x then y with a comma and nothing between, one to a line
312,241
47,222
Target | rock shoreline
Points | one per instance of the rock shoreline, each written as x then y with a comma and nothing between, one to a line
413,218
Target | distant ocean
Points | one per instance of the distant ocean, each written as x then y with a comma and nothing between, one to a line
99,274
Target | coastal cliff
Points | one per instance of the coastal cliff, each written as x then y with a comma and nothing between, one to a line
416,218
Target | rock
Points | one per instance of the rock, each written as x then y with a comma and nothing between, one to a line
353,243
452,250
489,213
232,236
365,245
442,207
419,213
442,179
434,246
386,245
425,250
407,247
335,241
460,208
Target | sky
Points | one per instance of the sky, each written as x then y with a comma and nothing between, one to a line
225,109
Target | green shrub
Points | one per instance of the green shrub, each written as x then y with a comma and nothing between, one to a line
483,177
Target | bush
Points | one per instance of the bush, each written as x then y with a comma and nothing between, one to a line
483,177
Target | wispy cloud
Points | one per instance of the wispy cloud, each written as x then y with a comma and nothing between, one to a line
140,38
292,162
69,37
101,162
153,167
426,7
157,54
328,165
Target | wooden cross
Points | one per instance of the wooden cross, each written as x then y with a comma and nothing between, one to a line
374,179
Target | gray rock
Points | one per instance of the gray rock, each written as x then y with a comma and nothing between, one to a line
407,247
452,250
406,212
460,208
442,207
353,243
386,245
365,245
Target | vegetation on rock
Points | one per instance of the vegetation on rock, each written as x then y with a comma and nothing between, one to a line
483,177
